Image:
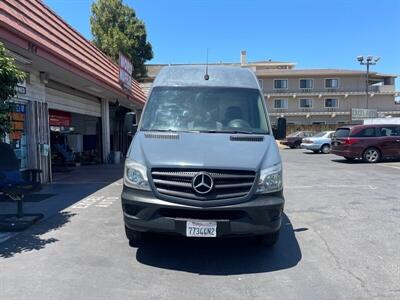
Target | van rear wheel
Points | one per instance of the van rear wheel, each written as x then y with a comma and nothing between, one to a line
372,155
268,240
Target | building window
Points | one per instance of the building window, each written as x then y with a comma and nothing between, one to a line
280,104
331,83
280,84
305,103
306,83
261,83
331,103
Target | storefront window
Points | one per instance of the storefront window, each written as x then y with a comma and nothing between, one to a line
17,136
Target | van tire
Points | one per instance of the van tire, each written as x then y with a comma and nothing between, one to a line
326,149
134,237
268,240
372,155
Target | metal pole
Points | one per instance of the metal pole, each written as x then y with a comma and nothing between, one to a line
366,83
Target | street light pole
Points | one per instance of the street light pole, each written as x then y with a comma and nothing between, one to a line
369,60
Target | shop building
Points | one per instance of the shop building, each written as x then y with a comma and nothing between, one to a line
70,108
308,97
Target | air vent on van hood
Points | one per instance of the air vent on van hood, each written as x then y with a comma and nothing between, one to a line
162,136
245,138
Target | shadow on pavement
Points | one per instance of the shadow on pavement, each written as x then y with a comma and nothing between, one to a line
32,240
67,191
360,161
231,256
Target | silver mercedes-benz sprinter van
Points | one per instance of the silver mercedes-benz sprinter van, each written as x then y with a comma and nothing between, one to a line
203,161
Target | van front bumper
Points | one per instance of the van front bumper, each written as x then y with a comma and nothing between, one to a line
146,213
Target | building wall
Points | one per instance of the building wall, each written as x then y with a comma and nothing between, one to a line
379,102
346,84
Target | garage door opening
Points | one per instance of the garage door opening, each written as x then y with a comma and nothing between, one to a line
75,140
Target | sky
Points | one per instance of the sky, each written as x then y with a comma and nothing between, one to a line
310,33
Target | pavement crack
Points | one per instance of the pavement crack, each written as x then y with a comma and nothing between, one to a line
340,266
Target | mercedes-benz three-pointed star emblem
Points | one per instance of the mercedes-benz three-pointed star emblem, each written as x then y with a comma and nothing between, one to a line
202,183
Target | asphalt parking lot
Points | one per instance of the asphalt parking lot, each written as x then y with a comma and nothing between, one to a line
340,240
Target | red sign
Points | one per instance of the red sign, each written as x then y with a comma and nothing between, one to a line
125,71
60,118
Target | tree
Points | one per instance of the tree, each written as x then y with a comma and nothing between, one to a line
10,75
115,28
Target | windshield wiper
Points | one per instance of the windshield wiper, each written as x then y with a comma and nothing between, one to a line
232,131
159,130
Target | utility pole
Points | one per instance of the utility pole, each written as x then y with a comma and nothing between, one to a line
369,60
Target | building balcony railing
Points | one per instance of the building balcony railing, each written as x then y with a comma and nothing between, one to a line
378,89
331,111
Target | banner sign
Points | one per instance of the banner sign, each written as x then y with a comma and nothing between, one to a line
359,114
59,118
125,71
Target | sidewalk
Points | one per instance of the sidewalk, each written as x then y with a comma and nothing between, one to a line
66,189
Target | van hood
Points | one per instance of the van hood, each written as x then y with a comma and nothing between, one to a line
210,150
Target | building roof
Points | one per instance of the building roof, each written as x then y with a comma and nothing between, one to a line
219,76
154,69
316,72
35,27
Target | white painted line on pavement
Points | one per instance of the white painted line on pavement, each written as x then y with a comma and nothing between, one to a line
107,202
331,186
390,166
97,201
85,203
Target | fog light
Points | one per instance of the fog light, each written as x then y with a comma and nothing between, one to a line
275,214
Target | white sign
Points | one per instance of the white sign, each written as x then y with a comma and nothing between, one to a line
125,71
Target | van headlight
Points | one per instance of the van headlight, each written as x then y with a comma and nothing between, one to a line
270,180
136,176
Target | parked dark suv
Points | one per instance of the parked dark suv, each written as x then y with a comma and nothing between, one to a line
369,142
294,139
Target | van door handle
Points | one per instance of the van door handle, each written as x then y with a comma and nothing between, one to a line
397,141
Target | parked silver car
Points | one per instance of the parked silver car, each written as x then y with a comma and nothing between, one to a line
319,142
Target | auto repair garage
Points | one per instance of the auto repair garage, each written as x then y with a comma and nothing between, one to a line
69,110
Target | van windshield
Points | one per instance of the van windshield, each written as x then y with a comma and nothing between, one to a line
205,109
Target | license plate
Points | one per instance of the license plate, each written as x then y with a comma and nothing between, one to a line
201,229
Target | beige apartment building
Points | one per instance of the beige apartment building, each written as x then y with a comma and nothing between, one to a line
314,96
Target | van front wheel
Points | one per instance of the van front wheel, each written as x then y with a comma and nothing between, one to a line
133,236
268,240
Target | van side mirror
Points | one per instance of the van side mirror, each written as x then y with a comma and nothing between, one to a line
130,124
280,132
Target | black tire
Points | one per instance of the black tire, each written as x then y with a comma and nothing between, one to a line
268,240
134,237
349,158
297,145
292,147
316,151
326,149
372,155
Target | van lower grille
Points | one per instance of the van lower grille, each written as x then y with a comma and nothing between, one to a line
226,183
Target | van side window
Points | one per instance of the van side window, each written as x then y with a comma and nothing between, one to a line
389,131
367,132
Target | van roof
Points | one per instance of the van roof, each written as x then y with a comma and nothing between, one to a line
193,75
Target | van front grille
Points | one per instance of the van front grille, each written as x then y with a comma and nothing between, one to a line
226,183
